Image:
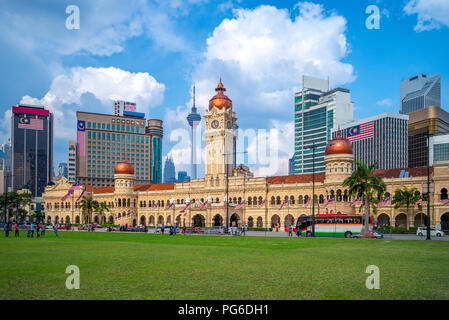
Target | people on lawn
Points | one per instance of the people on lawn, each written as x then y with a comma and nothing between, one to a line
6,228
16,229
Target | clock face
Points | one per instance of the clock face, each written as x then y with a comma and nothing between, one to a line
229,124
214,124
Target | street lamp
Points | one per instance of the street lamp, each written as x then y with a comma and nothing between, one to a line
428,186
313,147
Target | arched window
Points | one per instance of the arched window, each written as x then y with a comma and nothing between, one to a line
260,200
239,200
339,196
321,198
250,201
306,198
300,201
345,196
273,201
278,200
119,202
292,200
443,194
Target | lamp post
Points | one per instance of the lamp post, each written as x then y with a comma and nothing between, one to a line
187,203
428,186
313,147
172,202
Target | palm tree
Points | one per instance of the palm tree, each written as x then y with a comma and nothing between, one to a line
39,215
362,183
406,197
102,207
90,205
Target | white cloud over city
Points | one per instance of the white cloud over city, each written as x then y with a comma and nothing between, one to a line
431,14
262,54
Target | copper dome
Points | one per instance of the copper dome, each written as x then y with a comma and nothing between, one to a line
124,167
338,145
220,100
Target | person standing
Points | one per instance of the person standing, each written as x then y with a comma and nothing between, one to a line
290,231
55,229
32,229
42,230
28,229
37,230
6,228
16,229
162,229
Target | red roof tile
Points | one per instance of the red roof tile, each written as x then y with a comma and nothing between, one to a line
394,173
104,190
297,178
154,187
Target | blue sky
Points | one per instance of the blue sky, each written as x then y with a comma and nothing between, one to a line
152,52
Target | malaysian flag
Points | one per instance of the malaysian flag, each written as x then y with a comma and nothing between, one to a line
130,106
240,205
263,204
360,132
307,203
31,123
283,204
328,202
203,204
82,194
156,205
356,202
445,201
70,192
187,206
382,203
418,202
170,206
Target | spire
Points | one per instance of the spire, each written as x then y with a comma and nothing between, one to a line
194,96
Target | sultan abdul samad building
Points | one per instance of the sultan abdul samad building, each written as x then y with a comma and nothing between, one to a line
261,198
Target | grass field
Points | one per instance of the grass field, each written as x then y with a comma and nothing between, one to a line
149,266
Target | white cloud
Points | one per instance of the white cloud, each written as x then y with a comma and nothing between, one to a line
385,102
261,55
432,14
92,90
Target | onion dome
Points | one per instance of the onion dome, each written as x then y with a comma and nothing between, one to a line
220,100
124,167
338,145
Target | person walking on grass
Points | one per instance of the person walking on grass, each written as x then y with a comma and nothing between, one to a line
162,229
32,227
55,229
6,228
28,229
290,231
43,230
37,230
16,229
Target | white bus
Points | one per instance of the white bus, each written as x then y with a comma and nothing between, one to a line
332,225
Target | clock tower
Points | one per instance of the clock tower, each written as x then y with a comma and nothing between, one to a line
220,137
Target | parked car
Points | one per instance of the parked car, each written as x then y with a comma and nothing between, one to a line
422,231
373,234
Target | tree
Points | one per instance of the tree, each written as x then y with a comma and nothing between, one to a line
90,205
363,184
38,215
14,203
102,207
406,197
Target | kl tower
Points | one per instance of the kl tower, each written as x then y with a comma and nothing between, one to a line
194,119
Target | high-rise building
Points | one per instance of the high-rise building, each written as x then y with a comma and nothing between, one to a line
183,177
169,171
420,91
154,130
431,120
317,112
104,140
63,170
439,150
194,119
5,161
32,148
382,138
291,166
71,164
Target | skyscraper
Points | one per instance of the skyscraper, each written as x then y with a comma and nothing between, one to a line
72,161
103,140
431,120
32,148
120,106
169,171
154,130
194,119
62,170
382,138
317,112
183,177
420,91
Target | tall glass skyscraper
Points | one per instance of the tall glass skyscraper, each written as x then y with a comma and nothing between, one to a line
419,92
317,112
169,171
32,148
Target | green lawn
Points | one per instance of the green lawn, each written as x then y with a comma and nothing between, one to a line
149,266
